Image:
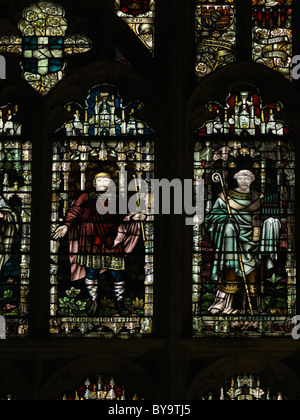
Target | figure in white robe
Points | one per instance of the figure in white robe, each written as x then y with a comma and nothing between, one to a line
9,227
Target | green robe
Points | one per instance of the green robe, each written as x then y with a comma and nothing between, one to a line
230,236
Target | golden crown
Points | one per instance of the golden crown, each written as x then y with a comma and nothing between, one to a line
102,175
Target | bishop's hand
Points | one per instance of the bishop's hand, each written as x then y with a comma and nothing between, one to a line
139,217
60,232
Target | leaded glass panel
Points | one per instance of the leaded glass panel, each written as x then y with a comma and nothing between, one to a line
272,34
245,388
139,15
215,35
43,45
102,257
15,224
244,253
100,388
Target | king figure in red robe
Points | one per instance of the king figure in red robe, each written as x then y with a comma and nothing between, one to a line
99,240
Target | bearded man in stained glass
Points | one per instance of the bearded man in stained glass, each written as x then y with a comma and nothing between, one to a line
99,240
241,234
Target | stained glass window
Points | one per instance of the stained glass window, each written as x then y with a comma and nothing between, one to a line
100,388
102,254
245,388
8,397
43,45
15,218
139,15
244,253
272,34
215,35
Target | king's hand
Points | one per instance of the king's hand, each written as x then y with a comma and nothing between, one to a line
60,232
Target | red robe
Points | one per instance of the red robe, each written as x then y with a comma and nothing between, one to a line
91,233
